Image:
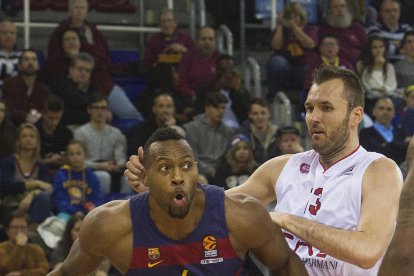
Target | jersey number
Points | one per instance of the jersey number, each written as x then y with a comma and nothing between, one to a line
313,209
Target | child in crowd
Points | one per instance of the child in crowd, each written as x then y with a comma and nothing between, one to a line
76,188
237,165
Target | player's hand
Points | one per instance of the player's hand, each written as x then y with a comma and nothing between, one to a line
135,171
278,218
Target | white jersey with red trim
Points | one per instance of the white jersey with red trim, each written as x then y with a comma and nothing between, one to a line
331,197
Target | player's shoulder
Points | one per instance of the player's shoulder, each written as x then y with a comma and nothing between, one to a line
382,164
383,170
242,208
106,222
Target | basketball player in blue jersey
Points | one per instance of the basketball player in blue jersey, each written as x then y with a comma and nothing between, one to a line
179,227
336,204
399,259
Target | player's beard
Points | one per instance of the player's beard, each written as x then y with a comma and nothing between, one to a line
336,141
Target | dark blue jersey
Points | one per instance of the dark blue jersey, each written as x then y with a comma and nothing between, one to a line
205,251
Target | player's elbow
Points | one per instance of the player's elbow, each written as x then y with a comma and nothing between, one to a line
368,259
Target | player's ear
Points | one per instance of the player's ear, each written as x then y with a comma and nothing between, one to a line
144,177
356,116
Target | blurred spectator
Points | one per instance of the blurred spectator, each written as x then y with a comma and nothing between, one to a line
404,69
237,164
390,28
292,43
198,67
229,83
163,52
105,146
288,140
75,89
54,136
24,178
328,56
407,114
93,42
75,187
58,66
70,234
260,130
24,94
9,55
208,136
87,31
363,11
376,73
382,137
163,111
351,36
7,132
17,256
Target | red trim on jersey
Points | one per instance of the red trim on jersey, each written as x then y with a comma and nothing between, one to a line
324,170
180,254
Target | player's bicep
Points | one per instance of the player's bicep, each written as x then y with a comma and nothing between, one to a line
380,197
261,184
274,252
80,262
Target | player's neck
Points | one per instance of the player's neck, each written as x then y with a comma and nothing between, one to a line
174,228
328,160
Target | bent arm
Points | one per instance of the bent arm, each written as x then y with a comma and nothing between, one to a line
260,235
261,184
304,39
366,245
399,257
277,38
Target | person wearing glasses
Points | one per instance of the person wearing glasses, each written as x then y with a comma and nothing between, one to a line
17,256
105,145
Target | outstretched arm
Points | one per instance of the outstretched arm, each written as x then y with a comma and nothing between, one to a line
399,259
251,229
260,185
366,245
78,262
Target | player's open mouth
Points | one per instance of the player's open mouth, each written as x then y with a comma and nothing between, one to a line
179,198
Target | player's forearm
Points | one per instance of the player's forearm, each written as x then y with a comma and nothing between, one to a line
293,267
354,247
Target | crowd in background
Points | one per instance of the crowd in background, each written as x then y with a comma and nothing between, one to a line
61,156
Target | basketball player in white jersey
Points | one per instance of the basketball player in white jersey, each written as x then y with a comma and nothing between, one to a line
337,204
399,259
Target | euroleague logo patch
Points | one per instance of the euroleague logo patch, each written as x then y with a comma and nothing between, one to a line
210,247
209,243
304,168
